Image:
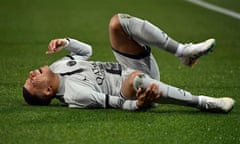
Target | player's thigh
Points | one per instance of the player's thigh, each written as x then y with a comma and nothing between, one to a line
120,40
146,64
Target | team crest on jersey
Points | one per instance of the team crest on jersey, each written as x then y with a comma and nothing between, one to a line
71,63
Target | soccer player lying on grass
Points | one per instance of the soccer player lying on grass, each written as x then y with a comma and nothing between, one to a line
132,84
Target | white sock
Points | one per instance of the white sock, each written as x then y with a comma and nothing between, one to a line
202,100
179,50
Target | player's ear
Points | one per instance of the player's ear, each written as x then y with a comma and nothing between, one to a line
48,91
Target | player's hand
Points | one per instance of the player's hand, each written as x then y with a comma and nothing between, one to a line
56,45
146,97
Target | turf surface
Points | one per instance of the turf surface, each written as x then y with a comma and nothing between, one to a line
27,26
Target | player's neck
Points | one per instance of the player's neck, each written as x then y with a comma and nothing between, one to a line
55,82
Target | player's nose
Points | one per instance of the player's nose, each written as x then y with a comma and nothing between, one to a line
32,74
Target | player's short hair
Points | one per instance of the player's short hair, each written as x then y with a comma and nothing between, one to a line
34,99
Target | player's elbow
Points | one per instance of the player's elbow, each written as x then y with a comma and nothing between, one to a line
90,51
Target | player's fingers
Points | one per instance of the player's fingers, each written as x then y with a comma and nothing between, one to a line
159,96
139,92
149,94
160,93
52,44
60,42
155,89
153,92
49,49
49,52
150,90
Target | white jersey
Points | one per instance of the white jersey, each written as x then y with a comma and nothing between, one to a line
86,84
90,84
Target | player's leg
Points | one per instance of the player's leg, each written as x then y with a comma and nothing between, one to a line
171,95
122,42
145,33
174,95
129,53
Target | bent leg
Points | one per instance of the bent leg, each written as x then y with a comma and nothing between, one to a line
130,35
130,53
121,41
126,30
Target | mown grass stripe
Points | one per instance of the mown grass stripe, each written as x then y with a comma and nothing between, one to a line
216,8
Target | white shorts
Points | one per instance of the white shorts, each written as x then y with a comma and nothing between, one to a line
145,63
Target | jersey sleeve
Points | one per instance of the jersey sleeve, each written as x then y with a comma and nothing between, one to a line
79,50
87,98
130,105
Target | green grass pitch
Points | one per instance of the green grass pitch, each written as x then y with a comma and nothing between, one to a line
26,27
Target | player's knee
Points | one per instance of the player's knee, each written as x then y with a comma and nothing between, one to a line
132,77
114,24
127,86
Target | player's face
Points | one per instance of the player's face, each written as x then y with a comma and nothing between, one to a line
38,80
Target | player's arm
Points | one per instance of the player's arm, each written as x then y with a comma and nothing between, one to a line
88,98
85,97
77,48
